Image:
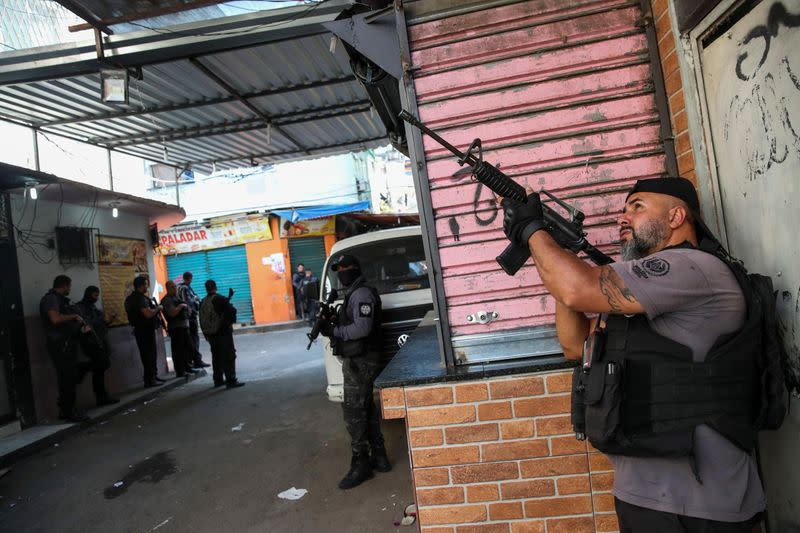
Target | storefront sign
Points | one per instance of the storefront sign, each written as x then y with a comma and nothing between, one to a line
216,234
308,228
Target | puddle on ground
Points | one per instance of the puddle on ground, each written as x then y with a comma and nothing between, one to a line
151,470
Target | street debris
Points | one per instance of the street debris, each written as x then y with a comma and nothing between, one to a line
409,515
150,401
129,411
55,445
238,427
292,494
164,523
118,484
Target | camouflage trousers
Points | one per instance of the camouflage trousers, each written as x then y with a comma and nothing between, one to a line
361,417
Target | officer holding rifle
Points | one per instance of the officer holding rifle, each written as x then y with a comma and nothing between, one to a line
356,339
662,309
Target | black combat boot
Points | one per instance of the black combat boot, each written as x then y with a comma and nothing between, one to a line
380,462
360,471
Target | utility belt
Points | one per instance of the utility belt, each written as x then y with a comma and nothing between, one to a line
355,348
637,393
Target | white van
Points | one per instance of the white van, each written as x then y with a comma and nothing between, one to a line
393,261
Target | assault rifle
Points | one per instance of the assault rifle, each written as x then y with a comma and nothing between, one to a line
567,232
326,313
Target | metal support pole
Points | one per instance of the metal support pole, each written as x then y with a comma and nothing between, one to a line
110,171
35,148
177,188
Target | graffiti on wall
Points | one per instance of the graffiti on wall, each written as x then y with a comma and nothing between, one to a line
752,83
483,210
763,118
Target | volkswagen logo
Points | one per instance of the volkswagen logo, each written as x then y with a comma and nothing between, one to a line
402,339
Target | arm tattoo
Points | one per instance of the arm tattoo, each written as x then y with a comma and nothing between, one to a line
614,289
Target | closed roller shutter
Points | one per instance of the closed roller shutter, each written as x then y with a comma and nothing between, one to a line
195,263
562,95
228,267
310,251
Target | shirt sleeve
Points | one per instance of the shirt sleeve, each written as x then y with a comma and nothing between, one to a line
168,304
362,308
666,281
51,303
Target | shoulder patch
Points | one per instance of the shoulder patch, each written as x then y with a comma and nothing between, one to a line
365,309
639,271
656,266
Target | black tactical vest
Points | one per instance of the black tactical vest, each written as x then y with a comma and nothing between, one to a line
643,395
372,344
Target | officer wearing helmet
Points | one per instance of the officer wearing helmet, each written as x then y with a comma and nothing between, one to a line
356,339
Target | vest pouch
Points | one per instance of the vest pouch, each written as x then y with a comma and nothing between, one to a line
351,348
604,402
578,401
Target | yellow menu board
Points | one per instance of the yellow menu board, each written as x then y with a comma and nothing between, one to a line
119,261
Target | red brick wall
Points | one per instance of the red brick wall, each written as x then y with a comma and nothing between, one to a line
674,88
499,455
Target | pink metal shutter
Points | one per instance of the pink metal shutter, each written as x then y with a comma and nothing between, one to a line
561,93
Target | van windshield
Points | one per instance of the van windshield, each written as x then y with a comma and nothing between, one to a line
393,265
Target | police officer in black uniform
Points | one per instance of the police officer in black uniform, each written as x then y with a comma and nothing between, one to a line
62,327
144,315
356,339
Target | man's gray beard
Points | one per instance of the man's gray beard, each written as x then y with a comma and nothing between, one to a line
642,244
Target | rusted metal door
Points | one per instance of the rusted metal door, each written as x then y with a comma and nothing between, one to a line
750,72
562,94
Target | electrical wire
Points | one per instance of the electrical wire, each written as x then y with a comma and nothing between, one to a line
28,240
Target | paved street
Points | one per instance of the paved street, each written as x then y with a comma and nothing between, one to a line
183,469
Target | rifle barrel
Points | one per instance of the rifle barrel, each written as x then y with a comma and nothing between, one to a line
411,119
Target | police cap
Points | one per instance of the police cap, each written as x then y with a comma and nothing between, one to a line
682,189
344,260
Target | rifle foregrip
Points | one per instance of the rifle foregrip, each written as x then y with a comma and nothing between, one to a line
498,182
512,258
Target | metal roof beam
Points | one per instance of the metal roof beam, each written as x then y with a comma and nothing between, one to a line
92,19
244,101
200,103
247,157
161,45
306,115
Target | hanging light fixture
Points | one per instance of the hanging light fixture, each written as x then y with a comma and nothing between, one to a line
114,86
30,188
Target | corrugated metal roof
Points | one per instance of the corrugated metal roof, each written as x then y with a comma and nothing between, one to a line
212,107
